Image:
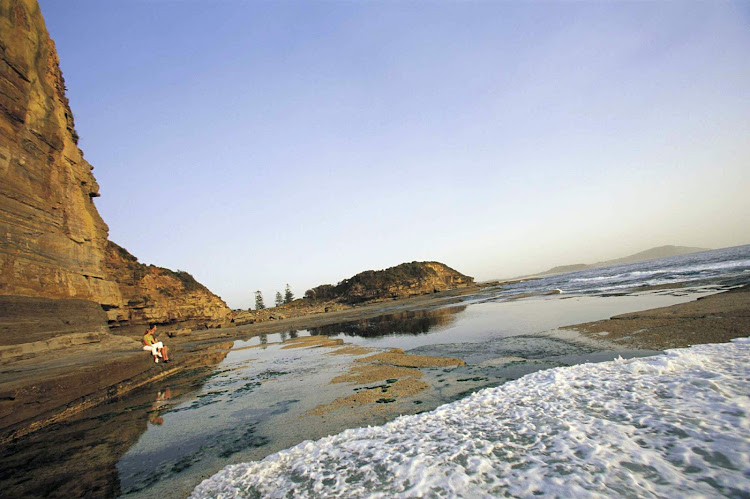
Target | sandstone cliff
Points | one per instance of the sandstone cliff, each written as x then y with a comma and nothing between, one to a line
156,294
401,281
53,239
53,243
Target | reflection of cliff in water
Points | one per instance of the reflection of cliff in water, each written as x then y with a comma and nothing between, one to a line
78,458
413,323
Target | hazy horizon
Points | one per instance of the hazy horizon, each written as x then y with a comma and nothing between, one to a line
255,144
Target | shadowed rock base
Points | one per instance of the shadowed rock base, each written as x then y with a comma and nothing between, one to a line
78,458
57,358
33,325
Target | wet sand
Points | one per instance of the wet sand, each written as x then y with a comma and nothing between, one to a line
371,373
712,319
383,394
397,357
350,350
399,371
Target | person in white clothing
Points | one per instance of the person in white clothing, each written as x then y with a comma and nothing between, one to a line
156,347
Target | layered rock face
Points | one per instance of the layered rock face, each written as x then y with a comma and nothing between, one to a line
156,294
52,239
407,279
53,243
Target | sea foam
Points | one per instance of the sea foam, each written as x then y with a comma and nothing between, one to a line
666,426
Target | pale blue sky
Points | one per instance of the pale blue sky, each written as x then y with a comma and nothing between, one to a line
259,143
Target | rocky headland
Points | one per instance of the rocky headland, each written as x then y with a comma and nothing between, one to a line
55,245
152,294
72,302
401,281
407,280
65,288
63,284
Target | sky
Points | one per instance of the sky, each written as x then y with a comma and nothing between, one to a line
259,143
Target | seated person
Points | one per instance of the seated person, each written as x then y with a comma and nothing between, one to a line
152,344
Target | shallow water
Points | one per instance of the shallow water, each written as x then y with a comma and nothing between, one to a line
672,425
256,403
488,320
163,440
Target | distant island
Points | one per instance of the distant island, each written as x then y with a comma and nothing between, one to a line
649,254
401,281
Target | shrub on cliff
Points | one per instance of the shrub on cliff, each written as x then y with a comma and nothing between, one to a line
188,281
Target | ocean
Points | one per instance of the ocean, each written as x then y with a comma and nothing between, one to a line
728,265
531,412
673,424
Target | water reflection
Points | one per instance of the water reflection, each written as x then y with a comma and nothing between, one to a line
159,405
405,323
78,458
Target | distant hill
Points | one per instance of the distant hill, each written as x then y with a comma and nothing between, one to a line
650,254
407,279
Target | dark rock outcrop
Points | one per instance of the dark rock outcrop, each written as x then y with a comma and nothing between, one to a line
401,281
159,295
33,325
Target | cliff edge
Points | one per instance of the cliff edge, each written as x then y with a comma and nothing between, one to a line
63,284
53,239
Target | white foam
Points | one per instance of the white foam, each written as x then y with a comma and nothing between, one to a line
671,425
670,272
616,276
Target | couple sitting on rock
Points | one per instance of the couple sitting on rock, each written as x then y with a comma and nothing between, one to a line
152,344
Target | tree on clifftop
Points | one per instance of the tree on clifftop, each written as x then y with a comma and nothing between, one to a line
288,296
259,305
279,299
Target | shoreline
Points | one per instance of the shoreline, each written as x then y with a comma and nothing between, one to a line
66,386
51,385
303,388
716,318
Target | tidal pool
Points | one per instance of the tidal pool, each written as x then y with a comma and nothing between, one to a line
479,319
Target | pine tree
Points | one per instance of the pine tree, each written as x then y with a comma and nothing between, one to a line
279,299
259,305
288,296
